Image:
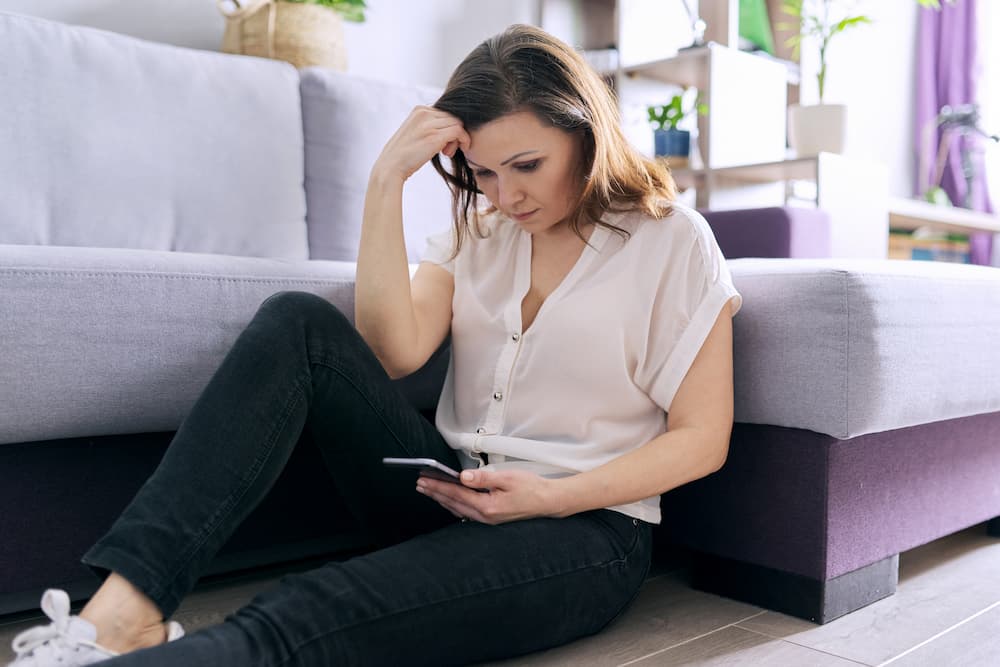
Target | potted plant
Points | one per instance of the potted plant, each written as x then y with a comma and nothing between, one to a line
668,139
305,33
822,127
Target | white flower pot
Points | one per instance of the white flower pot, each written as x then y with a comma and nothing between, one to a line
818,128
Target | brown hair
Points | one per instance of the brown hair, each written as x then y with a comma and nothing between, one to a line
526,69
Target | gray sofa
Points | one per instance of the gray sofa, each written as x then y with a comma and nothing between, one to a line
151,197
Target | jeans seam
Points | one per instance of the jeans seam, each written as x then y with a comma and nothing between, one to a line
595,566
232,501
337,368
637,590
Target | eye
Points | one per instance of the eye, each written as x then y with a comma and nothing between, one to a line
483,173
528,166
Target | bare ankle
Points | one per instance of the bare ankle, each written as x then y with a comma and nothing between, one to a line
133,640
125,618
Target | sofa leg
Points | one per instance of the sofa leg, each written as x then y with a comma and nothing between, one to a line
812,599
993,527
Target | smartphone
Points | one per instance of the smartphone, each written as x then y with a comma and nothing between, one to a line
428,468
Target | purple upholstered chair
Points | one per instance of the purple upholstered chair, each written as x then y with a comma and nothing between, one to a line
771,232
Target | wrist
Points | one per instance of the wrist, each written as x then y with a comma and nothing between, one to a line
384,177
560,497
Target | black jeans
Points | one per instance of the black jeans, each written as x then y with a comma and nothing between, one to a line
440,592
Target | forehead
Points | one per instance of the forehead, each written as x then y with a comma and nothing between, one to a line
512,134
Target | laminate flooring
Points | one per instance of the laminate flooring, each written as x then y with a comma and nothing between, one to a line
946,612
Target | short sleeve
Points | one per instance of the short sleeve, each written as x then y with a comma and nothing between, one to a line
439,249
691,291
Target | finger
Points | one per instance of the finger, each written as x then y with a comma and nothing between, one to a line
465,510
457,507
447,121
482,479
443,115
455,492
443,122
464,140
450,148
438,498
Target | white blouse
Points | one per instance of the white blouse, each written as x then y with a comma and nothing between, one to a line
594,375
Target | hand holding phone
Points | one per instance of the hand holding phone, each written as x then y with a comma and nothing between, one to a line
428,468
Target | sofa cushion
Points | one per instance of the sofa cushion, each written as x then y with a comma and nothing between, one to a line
849,347
110,341
347,120
111,141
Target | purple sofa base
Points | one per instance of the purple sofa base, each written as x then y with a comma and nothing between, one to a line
811,525
819,544
60,496
795,595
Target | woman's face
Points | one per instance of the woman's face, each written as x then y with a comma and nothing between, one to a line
528,170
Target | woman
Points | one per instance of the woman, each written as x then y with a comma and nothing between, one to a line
583,307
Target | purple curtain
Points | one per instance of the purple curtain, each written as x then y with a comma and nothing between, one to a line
947,72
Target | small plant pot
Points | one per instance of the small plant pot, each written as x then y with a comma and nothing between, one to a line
818,128
674,145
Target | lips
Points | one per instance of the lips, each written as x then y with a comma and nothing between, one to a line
524,216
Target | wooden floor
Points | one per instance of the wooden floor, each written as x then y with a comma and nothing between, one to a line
946,611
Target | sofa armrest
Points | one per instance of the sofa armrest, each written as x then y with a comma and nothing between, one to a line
115,341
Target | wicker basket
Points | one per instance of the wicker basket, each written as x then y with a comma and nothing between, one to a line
305,35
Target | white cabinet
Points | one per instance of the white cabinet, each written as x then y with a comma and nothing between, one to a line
746,98
746,94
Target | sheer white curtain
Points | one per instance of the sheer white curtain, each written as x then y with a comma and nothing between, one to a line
989,99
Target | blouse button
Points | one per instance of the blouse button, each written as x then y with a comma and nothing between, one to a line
497,396
480,430
516,337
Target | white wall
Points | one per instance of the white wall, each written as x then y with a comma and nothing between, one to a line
401,40
424,41
192,23
872,69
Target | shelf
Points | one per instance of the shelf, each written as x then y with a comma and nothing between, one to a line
914,214
690,66
797,169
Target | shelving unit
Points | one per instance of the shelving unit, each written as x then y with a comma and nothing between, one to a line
741,159
911,214
688,67
734,132
654,60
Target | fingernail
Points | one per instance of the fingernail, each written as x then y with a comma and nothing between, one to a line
468,476
420,489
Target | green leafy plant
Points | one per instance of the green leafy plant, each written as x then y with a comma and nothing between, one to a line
824,20
669,116
351,10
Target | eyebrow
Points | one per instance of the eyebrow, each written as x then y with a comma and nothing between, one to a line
512,157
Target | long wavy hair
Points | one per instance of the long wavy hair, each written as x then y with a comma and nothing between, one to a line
526,69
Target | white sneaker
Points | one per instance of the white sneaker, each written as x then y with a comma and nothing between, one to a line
67,641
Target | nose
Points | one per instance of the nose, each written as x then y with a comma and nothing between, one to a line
509,193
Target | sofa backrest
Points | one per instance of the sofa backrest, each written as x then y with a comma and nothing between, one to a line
347,120
112,141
